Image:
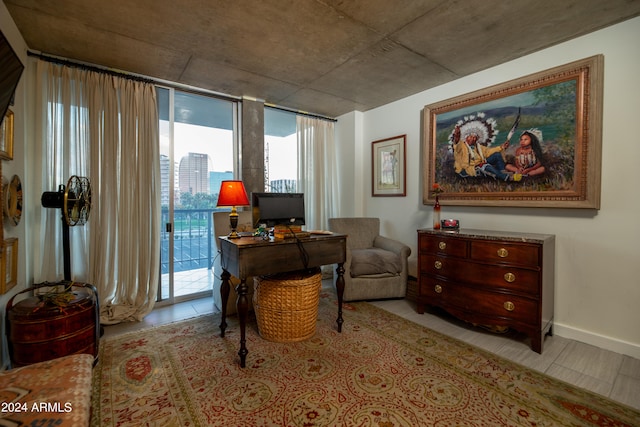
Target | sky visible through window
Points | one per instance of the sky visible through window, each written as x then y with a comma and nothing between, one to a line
218,143
283,156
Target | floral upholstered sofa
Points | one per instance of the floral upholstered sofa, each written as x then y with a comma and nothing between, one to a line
52,393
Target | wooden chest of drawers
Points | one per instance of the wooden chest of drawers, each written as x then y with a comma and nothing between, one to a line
499,279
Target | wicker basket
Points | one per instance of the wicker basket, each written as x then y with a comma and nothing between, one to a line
286,305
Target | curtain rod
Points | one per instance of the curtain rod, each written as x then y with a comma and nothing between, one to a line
88,67
300,113
70,63
132,76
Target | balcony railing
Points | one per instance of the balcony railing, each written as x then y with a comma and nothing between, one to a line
194,251
193,244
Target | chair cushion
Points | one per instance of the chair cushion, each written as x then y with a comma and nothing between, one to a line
374,261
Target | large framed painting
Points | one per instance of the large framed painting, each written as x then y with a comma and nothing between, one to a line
388,167
535,141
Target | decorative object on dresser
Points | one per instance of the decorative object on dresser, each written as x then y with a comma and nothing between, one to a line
490,278
436,190
450,224
436,214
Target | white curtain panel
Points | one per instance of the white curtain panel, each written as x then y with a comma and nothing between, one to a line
61,127
317,170
105,128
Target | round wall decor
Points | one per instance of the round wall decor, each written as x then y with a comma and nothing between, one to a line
12,203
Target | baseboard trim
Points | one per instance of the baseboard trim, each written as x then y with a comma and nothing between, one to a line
601,341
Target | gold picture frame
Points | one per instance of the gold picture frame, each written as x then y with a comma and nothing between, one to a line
6,137
560,111
388,167
8,264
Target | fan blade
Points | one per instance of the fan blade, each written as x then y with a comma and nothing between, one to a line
77,201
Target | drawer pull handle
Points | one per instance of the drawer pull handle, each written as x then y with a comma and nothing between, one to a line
438,289
510,277
503,253
509,306
442,246
437,265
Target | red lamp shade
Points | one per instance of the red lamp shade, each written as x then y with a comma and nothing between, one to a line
232,193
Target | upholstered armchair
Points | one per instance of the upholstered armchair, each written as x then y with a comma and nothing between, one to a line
376,266
222,227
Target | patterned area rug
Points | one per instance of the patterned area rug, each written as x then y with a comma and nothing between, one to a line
382,370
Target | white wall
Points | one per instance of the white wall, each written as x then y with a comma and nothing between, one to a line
597,255
15,167
348,144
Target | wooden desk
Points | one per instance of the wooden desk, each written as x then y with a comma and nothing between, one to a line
249,256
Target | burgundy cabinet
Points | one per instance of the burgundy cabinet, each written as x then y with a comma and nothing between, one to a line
490,278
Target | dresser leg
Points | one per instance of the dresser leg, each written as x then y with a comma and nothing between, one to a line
536,342
538,339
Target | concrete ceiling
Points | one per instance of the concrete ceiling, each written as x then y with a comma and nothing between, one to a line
327,57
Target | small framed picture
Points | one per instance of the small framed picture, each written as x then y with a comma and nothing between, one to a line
9,267
388,167
6,137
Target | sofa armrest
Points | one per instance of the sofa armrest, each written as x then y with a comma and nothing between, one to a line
393,246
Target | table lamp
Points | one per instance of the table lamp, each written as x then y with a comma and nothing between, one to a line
232,193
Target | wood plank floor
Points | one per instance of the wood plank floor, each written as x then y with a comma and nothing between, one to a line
602,371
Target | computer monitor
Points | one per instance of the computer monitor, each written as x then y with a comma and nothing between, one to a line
277,209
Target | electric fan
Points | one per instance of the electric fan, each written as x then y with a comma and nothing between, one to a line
74,201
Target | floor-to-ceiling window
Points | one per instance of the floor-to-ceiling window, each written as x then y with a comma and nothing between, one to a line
198,149
280,151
